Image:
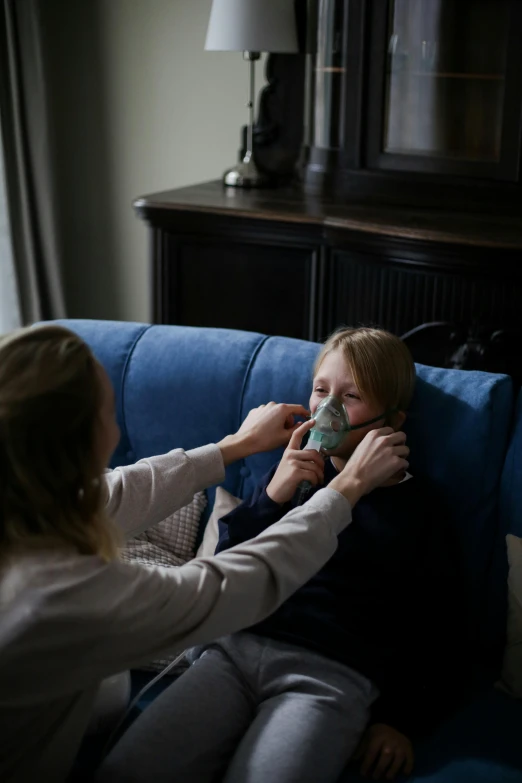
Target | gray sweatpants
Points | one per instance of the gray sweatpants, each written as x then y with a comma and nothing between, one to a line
249,710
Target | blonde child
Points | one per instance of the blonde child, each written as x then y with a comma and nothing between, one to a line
290,700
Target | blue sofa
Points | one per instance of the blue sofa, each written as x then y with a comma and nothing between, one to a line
181,386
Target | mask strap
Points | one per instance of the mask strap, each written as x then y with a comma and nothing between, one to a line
375,420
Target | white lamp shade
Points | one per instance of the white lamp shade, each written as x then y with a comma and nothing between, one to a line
252,26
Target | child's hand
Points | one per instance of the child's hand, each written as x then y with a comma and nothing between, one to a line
296,466
386,750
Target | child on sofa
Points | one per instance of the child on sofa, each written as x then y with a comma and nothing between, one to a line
366,642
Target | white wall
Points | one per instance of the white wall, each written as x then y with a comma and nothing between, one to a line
139,107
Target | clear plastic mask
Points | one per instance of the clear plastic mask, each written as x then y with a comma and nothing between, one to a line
332,425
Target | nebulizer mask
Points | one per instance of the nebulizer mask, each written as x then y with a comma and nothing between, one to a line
332,425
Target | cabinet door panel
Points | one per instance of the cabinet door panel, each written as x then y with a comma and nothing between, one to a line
266,289
445,89
399,296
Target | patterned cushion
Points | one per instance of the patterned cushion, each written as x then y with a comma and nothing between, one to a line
169,543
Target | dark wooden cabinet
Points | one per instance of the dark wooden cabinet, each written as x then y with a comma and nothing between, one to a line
284,262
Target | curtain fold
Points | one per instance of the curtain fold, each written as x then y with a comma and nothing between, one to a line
10,312
26,131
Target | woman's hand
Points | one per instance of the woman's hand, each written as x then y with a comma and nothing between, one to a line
386,750
379,456
296,466
265,428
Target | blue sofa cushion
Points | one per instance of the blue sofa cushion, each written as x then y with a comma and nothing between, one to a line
176,387
113,344
458,431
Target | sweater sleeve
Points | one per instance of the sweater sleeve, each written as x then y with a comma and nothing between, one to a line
143,494
101,618
250,518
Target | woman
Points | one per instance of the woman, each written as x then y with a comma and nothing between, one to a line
72,614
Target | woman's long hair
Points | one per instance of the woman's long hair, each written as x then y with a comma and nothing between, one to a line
50,489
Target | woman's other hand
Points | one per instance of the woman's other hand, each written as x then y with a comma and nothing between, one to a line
379,456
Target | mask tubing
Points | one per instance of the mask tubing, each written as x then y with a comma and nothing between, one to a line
302,491
370,421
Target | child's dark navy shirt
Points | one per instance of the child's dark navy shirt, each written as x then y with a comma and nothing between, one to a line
387,603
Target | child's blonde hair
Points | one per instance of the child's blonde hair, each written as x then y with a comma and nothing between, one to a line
50,489
381,365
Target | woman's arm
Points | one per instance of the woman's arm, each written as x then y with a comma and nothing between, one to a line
141,495
94,619
91,619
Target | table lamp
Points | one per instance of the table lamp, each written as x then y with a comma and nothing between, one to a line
251,27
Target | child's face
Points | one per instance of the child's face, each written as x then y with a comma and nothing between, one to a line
334,377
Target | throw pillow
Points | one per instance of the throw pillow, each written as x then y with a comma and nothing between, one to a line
512,666
223,505
170,543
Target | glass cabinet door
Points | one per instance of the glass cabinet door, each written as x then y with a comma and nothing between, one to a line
448,100
328,74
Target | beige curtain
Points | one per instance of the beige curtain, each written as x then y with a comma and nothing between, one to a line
10,312
31,199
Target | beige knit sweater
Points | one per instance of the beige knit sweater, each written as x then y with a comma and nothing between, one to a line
68,621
